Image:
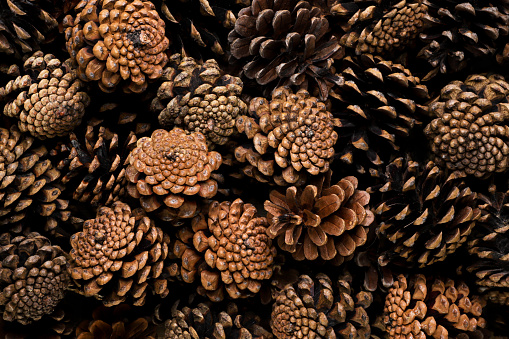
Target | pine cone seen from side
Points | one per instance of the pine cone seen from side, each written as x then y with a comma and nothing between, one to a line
471,130
116,41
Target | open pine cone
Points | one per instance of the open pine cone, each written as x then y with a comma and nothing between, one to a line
48,100
471,130
117,40
119,253
320,220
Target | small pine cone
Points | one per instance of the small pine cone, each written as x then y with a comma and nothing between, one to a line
320,220
471,130
170,167
33,277
108,51
498,297
384,28
378,105
422,308
424,214
48,101
200,98
286,43
119,252
319,308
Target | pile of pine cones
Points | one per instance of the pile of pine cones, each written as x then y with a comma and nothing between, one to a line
254,169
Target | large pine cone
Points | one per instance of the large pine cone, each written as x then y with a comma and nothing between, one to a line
115,40
471,130
119,253
287,41
320,220
200,98
423,308
48,100
33,277
424,214
320,308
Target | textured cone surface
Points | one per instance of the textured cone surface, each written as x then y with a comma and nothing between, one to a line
320,308
33,277
48,100
320,220
119,253
425,308
200,98
471,130
424,214
114,41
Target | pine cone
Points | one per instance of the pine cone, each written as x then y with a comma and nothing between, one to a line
119,252
421,308
48,101
115,40
187,168
471,131
319,308
288,41
424,215
380,102
324,220
33,277
200,98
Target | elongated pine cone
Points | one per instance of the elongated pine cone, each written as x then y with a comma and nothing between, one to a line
119,253
117,40
170,167
288,41
378,105
48,100
424,308
471,130
33,277
424,214
200,98
320,220
320,308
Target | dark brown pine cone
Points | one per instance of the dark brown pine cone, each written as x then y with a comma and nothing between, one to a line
291,134
458,32
320,308
424,214
117,40
169,168
424,308
320,220
119,253
48,100
33,277
378,105
199,97
286,43
471,130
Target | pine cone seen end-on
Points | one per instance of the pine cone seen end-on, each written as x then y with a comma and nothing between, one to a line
116,41
320,220
471,130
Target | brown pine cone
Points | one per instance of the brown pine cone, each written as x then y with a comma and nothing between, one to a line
320,220
48,100
117,253
471,130
292,132
424,214
115,40
286,43
168,169
33,277
199,97
423,308
319,308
